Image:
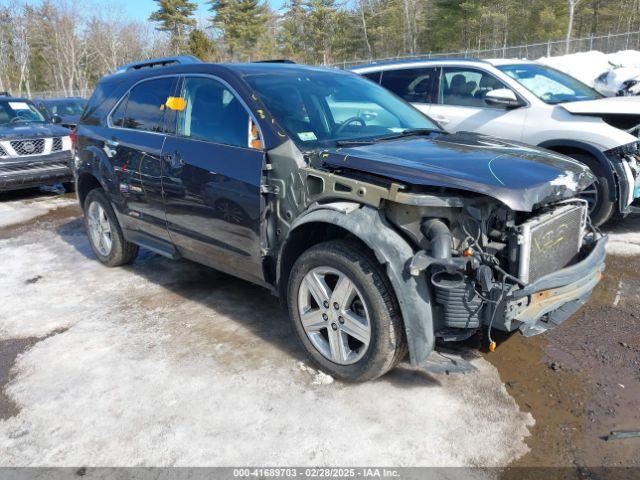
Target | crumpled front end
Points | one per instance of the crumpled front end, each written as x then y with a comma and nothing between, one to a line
489,266
625,161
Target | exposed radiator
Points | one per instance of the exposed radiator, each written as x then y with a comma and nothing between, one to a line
550,241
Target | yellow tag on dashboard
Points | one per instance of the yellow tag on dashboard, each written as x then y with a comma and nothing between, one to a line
176,103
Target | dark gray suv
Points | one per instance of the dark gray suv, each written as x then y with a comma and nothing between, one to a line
33,150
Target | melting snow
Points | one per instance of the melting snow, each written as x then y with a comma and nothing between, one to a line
169,363
21,211
588,66
624,237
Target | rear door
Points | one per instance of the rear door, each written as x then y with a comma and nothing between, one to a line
137,136
460,105
211,179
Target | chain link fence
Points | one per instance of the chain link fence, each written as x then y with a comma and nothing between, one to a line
605,43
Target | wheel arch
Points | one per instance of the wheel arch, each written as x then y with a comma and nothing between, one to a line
567,147
95,171
85,183
370,228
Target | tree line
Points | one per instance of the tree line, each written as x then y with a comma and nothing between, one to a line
67,45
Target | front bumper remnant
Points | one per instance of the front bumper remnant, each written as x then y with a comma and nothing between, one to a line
552,299
33,171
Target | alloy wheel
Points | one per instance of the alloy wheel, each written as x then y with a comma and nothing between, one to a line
334,315
590,194
99,229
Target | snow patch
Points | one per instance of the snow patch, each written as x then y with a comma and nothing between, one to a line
319,378
589,66
624,237
20,211
169,363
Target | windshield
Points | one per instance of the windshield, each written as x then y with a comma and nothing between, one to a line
548,84
19,111
320,109
65,107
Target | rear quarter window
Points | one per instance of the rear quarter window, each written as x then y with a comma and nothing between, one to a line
105,95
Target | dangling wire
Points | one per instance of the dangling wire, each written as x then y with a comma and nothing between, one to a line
492,344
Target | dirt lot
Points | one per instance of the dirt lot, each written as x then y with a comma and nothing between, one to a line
170,363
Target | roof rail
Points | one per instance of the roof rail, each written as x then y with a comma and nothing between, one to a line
158,62
275,60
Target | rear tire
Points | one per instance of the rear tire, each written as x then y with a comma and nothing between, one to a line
361,314
602,208
104,232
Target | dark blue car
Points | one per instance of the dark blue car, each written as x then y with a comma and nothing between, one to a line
379,231
66,111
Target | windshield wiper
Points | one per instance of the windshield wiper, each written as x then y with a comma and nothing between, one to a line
405,133
409,133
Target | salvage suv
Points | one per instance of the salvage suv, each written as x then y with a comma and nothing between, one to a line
380,232
530,102
33,150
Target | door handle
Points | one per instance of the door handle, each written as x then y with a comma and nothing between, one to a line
173,159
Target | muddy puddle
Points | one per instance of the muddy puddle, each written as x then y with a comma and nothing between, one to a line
581,381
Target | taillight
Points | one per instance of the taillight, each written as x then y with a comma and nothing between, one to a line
73,136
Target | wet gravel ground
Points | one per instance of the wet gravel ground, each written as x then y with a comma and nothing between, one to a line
579,381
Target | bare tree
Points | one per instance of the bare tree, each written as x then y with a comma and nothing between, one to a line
572,10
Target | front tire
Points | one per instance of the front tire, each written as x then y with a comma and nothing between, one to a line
104,232
345,312
601,207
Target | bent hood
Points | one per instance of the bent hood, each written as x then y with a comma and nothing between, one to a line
605,106
30,131
518,175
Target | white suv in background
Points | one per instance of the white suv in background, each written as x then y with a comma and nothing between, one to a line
532,103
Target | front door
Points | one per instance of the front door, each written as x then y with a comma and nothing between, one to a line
211,180
417,85
137,136
461,106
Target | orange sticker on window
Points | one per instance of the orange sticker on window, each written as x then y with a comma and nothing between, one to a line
254,136
176,103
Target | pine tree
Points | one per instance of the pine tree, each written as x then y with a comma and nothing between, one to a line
241,23
200,45
320,24
175,17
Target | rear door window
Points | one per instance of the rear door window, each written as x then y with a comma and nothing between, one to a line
145,105
373,76
415,85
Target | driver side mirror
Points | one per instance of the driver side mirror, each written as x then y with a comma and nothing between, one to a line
56,119
502,97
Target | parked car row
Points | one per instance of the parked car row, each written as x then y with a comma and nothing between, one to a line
34,149
381,232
